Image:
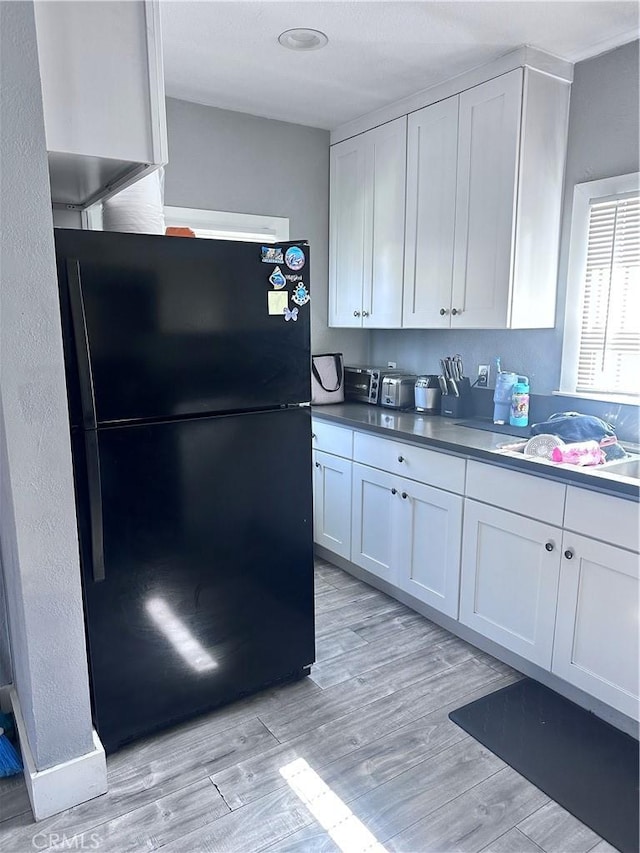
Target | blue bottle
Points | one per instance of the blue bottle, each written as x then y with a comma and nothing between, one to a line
519,415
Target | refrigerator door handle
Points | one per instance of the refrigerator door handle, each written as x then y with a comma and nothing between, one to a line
95,504
89,419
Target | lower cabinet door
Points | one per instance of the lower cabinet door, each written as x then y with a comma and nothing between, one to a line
509,580
374,521
429,545
332,503
596,641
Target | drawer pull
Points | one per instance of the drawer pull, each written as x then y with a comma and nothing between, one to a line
356,313
443,311
404,496
400,458
394,491
569,554
317,464
549,546
313,435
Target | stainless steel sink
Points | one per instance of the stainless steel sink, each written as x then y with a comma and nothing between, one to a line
625,467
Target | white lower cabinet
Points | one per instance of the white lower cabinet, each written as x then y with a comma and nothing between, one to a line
509,580
332,503
596,641
375,521
429,546
494,549
408,534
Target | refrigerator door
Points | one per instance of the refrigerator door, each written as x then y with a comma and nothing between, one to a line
166,326
208,566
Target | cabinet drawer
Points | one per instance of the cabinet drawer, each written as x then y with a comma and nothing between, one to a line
331,438
407,460
604,517
521,493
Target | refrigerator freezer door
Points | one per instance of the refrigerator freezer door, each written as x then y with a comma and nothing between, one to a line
208,566
165,327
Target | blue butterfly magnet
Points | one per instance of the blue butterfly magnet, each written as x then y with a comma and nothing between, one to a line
291,314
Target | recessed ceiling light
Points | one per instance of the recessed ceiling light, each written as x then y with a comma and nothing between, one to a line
303,39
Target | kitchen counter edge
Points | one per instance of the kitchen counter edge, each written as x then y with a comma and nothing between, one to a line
447,435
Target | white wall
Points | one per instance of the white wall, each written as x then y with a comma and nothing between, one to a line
224,160
5,649
38,540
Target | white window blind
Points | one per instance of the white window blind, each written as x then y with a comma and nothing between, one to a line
609,348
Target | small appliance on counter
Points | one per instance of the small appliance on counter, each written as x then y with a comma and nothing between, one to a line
428,394
398,391
364,384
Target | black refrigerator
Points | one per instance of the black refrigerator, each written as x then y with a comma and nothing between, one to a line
188,381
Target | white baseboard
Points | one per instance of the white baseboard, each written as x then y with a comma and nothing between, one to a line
65,785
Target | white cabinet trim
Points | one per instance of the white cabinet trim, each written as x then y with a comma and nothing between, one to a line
156,91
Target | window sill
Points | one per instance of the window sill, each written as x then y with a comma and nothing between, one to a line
624,399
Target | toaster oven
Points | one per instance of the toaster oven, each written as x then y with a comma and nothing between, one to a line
364,384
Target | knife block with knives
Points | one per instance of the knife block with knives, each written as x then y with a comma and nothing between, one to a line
456,401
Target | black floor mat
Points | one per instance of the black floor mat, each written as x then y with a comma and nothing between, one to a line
587,766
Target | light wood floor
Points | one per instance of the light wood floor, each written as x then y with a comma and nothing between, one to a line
371,722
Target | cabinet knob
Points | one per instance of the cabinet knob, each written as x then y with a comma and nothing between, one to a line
313,435
394,491
444,311
549,546
317,464
400,458
404,496
455,311
356,313
569,554
365,313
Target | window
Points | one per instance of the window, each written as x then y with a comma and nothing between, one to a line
601,354
220,225
212,224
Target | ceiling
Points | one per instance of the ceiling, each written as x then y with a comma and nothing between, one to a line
226,54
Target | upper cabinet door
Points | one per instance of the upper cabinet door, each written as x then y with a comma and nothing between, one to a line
432,150
384,234
347,232
103,95
489,138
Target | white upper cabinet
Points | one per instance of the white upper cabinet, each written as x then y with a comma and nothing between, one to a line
511,152
366,242
103,95
432,155
489,135
484,181
346,238
484,196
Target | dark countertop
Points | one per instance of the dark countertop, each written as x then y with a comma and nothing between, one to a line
446,434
